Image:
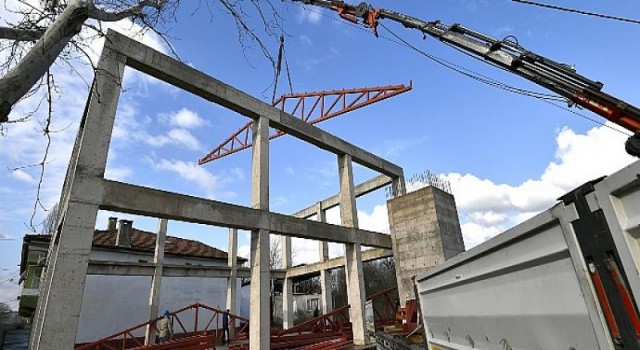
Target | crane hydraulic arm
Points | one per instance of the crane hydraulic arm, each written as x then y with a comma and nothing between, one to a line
508,55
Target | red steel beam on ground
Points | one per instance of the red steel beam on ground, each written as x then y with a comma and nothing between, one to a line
311,107
200,338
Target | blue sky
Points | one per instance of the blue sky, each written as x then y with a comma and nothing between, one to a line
507,156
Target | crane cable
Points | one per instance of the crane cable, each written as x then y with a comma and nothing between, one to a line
278,70
544,97
492,82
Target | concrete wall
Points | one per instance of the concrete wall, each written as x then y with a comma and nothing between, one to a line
113,303
425,231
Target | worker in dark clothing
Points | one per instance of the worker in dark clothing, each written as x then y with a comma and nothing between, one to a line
225,326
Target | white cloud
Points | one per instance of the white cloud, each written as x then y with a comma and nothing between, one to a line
243,251
309,14
377,220
305,251
487,208
190,172
474,234
305,40
183,137
23,176
118,174
394,148
214,186
178,137
185,118
313,61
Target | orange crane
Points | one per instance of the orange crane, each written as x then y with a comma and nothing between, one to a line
311,107
508,55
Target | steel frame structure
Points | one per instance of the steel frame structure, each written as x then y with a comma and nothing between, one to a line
191,338
321,107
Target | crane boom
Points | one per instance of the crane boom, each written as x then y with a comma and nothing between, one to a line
508,55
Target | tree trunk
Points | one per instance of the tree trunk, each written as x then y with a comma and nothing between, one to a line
21,78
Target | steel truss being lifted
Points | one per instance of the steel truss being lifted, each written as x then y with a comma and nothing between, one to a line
312,108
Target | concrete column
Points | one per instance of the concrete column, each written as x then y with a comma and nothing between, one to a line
259,323
156,281
232,281
424,221
353,254
287,286
60,300
325,275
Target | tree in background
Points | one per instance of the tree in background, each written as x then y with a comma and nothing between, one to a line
49,224
378,276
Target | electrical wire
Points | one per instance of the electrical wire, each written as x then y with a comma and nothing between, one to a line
455,67
474,75
566,9
544,97
506,87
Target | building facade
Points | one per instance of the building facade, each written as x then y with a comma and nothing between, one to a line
113,303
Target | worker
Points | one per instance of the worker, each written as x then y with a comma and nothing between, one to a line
165,327
225,326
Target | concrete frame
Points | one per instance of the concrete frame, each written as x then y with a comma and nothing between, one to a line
85,191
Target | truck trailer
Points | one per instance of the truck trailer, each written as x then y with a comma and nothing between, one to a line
564,279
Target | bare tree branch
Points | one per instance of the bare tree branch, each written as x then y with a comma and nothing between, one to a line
20,34
132,11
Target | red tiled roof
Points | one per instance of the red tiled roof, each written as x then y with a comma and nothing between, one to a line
146,241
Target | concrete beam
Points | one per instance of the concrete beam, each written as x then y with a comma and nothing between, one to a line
132,199
116,268
362,189
335,263
165,68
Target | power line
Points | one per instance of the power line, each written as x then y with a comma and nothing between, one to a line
550,99
455,67
622,19
544,97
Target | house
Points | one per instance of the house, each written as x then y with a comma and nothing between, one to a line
307,300
113,303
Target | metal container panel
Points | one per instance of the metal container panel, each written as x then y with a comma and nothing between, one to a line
619,197
527,288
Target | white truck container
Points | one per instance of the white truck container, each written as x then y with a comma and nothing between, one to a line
564,279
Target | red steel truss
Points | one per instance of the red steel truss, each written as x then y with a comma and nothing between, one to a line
311,107
199,335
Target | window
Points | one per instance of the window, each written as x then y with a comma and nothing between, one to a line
312,304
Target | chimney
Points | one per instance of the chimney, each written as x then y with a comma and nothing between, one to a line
113,221
123,237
